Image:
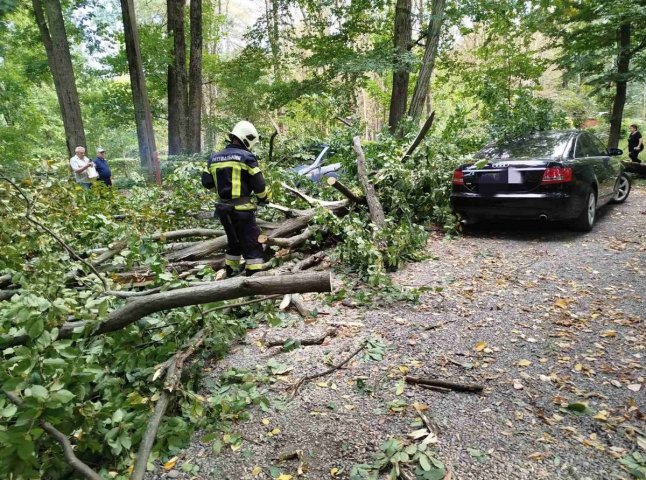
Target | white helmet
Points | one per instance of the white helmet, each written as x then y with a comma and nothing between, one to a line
246,133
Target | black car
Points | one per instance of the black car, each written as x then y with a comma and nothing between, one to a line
566,175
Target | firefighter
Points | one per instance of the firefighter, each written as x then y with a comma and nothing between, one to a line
235,175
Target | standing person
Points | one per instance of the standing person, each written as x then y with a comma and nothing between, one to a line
635,143
80,164
234,174
102,167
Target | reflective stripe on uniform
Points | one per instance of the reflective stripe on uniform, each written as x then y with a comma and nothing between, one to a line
232,260
254,263
245,207
231,164
235,181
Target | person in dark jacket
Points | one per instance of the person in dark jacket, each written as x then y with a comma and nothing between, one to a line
102,167
234,174
635,144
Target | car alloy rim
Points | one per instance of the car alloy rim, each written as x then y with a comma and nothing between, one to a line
622,189
591,208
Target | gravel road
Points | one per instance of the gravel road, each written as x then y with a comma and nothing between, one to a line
541,316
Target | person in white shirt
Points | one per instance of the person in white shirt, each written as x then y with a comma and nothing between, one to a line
80,163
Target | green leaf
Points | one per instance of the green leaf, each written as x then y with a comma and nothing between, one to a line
63,396
9,411
38,391
424,463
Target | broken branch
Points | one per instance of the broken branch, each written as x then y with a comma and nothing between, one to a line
458,387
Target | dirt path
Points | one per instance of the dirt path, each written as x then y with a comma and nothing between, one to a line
543,317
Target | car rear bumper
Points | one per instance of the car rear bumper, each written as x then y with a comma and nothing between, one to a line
521,206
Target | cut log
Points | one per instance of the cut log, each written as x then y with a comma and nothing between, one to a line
299,305
191,232
201,250
349,194
141,307
458,387
374,205
420,136
291,242
173,247
309,262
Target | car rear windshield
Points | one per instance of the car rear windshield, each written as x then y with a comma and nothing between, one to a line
538,145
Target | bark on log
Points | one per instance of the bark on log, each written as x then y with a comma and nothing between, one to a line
309,262
111,252
228,289
297,303
191,232
61,438
376,210
174,247
310,200
277,342
177,267
7,294
458,387
420,136
203,249
343,189
5,280
291,242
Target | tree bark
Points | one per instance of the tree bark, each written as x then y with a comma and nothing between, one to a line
52,32
401,74
374,205
177,81
145,135
347,193
195,80
141,307
420,136
428,63
621,84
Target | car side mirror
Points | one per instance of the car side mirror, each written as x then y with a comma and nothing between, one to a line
615,152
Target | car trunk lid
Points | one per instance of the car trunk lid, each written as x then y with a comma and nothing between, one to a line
505,176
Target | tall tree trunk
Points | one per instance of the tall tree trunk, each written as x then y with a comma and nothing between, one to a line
143,118
195,80
272,11
52,31
401,74
432,41
177,82
623,67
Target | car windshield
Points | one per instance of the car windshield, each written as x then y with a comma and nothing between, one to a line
537,145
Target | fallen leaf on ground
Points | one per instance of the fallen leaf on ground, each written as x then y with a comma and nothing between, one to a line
635,387
608,333
524,363
256,471
518,385
480,346
170,464
334,471
561,303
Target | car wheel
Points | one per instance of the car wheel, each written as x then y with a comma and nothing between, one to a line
622,189
585,221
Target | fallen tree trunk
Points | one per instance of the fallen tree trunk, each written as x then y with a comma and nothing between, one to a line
141,307
177,267
202,249
458,387
343,189
311,200
374,205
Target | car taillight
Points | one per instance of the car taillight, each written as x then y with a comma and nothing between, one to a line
458,177
557,175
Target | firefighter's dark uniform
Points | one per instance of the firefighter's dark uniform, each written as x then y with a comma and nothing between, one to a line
235,174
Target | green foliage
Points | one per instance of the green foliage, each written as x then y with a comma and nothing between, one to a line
395,455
